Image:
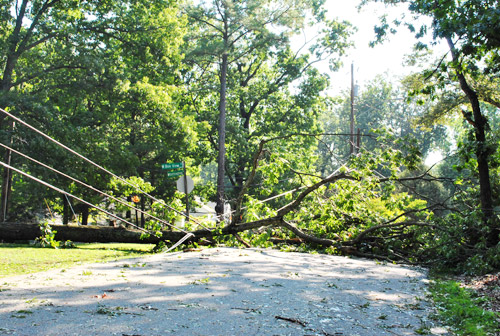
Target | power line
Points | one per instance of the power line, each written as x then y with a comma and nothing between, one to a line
97,165
91,188
71,195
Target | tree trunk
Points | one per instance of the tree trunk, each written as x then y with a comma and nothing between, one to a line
85,214
66,210
219,208
128,213
143,208
482,152
6,182
11,232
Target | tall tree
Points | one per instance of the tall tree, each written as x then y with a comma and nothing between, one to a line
470,29
69,66
246,46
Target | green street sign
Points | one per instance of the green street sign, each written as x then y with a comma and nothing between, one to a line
175,173
175,165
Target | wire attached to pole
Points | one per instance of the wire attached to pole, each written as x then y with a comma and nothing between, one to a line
73,196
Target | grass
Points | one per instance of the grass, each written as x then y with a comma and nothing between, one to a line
16,259
462,311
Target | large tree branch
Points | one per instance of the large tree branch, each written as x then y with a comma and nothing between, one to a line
44,72
363,234
199,19
307,237
296,203
34,23
249,181
38,42
491,101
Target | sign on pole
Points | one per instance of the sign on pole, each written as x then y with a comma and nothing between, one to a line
174,165
185,186
175,173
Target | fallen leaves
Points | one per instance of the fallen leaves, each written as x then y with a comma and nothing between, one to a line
102,296
487,286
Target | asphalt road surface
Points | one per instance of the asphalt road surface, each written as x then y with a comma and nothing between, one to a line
220,291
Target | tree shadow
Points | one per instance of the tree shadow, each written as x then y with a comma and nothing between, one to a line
220,292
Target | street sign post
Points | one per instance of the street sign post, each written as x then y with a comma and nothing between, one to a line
185,184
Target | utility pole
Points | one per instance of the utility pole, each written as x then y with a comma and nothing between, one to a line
352,136
219,207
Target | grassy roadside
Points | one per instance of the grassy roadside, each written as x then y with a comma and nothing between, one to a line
463,310
16,259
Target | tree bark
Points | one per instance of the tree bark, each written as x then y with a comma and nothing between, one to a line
85,215
128,213
66,210
11,232
6,182
482,151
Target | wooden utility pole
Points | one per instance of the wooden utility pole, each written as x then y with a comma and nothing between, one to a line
352,139
219,207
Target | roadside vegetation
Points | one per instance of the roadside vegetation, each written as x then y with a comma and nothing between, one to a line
17,259
464,310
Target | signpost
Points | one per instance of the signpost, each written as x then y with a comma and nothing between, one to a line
185,184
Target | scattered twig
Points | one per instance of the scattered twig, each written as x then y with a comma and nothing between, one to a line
241,240
291,319
247,310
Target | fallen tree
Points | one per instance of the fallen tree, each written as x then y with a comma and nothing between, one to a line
370,239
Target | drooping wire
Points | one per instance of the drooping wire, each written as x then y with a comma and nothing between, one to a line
72,196
91,188
136,187
72,210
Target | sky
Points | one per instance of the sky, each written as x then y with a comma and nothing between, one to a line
386,58
369,62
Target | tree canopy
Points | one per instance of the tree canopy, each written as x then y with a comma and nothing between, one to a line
219,85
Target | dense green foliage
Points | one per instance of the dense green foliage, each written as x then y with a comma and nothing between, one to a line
462,85
134,84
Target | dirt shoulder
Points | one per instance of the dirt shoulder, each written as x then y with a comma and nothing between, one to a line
487,286
220,291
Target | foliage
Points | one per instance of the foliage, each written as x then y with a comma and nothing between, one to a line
341,211
47,239
461,310
98,77
460,245
463,82
262,70
131,85
128,187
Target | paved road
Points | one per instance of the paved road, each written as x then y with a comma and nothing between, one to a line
220,291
